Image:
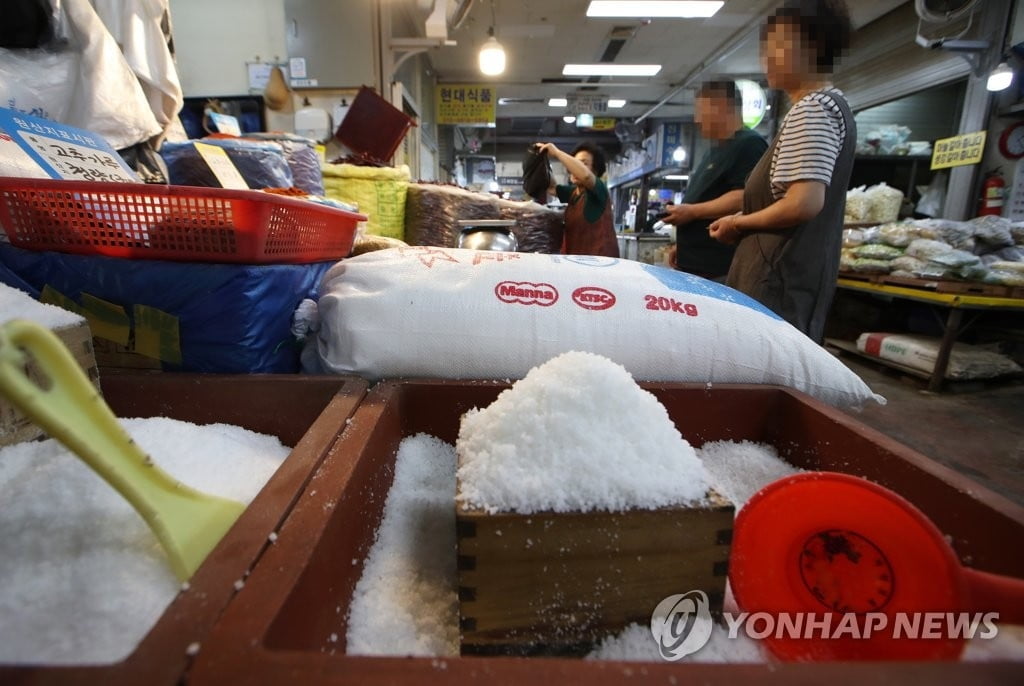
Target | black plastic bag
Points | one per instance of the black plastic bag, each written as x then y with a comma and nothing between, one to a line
536,173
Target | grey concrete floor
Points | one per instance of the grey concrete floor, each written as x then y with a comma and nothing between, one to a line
978,432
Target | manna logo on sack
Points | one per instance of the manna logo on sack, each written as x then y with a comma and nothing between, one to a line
526,293
593,298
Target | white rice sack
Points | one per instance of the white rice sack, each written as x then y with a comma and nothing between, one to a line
463,314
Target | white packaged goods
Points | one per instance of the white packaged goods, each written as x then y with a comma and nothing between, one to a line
463,314
919,352
885,203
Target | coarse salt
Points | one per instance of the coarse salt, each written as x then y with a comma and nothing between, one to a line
576,434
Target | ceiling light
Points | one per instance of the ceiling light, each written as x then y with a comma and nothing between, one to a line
610,69
678,155
569,119
585,121
677,177
492,55
1000,78
681,9
558,102
616,104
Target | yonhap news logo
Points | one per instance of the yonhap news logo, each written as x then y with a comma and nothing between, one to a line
681,625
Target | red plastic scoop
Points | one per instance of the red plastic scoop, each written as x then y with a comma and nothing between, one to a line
843,547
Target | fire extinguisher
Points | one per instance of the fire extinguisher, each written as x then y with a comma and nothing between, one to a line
992,192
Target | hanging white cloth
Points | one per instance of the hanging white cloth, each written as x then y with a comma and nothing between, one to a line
85,83
137,26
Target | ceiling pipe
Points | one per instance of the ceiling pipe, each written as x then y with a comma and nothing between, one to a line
720,53
460,14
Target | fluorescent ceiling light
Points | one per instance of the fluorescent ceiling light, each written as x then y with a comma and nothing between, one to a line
558,102
610,69
616,104
585,120
680,9
568,119
677,177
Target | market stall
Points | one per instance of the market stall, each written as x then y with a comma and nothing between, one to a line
293,406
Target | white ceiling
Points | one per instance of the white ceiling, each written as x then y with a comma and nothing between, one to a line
540,36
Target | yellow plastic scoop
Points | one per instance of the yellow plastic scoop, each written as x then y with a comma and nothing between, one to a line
187,523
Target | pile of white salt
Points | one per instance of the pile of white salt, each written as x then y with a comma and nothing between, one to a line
82,577
576,434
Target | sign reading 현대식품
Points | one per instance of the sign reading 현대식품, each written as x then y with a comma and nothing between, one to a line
461,103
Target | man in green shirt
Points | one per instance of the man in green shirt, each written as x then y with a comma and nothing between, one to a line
715,188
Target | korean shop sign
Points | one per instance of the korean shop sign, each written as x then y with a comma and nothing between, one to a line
465,103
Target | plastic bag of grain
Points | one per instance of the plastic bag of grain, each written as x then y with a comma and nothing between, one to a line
877,252
884,203
378,192
1017,231
992,232
867,265
463,314
898,234
857,206
908,263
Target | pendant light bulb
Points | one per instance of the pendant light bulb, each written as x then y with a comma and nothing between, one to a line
492,55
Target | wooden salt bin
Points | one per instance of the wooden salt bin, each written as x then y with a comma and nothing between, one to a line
556,583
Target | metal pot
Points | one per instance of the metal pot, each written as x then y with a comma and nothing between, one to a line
487,234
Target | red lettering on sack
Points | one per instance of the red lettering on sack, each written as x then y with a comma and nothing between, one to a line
482,255
526,293
663,304
593,298
428,255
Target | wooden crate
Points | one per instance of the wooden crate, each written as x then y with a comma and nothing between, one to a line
16,427
555,583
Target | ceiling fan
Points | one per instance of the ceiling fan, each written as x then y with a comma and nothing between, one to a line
937,17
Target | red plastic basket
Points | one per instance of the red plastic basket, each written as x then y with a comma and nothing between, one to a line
182,223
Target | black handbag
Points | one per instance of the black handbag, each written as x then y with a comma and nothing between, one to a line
536,173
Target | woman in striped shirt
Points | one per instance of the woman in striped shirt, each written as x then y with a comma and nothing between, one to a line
789,234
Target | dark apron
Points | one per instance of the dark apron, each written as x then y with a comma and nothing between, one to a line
583,237
793,271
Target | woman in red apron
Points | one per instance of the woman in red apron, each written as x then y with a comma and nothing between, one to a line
789,235
588,218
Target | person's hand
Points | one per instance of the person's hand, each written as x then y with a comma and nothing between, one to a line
724,230
672,255
550,148
679,214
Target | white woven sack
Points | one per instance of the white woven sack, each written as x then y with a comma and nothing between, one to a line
462,314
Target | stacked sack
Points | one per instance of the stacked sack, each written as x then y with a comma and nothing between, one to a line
986,249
